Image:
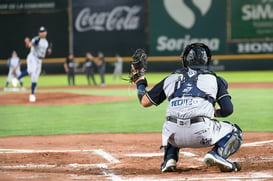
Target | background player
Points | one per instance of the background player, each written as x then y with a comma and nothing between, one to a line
192,93
89,68
70,69
38,50
118,67
14,69
101,65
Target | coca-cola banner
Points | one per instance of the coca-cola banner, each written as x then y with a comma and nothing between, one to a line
110,26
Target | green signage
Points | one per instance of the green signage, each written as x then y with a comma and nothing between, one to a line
251,19
173,24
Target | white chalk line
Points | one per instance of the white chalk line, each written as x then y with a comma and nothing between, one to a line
100,152
256,175
106,156
41,151
72,165
259,143
112,176
27,166
111,159
188,154
193,156
184,153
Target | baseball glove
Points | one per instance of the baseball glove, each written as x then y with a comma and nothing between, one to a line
138,65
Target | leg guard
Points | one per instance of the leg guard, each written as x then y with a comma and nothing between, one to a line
230,143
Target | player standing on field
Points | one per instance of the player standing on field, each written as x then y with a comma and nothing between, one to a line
70,69
14,64
118,67
38,50
89,68
101,67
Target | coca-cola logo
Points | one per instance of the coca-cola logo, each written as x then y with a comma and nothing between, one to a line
119,18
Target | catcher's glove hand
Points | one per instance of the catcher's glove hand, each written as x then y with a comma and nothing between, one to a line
138,65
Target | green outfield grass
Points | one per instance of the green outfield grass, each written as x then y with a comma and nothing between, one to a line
253,109
61,80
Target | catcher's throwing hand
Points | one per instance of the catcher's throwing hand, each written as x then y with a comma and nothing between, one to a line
138,66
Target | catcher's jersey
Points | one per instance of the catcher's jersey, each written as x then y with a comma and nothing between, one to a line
39,47
191,97
13,61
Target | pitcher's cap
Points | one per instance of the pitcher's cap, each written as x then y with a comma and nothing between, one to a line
42,29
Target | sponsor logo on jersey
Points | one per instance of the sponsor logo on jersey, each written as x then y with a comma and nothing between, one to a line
183,102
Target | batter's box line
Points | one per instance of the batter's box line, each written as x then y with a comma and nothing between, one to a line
107,173
100,152
258,143
72,165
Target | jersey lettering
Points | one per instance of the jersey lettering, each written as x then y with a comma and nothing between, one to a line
183,102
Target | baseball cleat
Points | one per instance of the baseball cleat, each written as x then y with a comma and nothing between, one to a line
168,166
32,98
212,159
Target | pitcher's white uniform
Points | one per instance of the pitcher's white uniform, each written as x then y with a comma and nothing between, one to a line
35,56
38,50
14,67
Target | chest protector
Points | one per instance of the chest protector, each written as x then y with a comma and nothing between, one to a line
186,86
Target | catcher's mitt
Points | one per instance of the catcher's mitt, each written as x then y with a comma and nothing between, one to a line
138,65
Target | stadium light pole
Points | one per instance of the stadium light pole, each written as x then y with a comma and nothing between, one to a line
70,27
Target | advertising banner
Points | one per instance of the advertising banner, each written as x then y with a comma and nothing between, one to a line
250,29
252,19
176,23
110,26
31,5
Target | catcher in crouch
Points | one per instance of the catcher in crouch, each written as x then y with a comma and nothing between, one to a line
192,93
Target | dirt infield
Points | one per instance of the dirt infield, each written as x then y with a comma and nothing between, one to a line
64,98
57,98
118,157
123,157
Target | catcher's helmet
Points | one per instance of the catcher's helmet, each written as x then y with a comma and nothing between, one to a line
196,56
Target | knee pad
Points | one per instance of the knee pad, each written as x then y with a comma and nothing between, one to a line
230,143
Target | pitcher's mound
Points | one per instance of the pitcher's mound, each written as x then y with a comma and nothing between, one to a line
57,98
